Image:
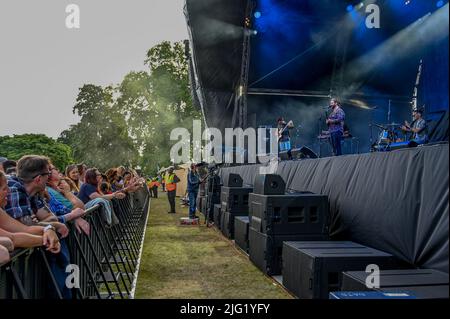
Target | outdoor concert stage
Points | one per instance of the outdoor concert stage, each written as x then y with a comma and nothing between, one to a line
393,201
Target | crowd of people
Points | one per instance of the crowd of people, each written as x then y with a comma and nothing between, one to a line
37,201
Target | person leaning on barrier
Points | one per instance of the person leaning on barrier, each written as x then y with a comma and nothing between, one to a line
89,190
4,253
64,204
23,236
24,202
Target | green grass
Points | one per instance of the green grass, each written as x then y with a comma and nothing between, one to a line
196,262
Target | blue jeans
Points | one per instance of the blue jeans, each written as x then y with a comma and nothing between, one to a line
58,263
192,203
285,146
336,138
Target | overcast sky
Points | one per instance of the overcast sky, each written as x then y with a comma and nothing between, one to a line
42,63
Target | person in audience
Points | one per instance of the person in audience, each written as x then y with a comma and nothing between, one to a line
74,176
26,205
2,160
23,236
127,177
105,188
64,203
10,167
114,179
4,252
82,172
89,190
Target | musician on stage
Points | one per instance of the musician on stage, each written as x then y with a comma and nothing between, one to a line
418,127
284,137
335,122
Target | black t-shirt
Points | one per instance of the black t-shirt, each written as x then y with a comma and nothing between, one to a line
85,191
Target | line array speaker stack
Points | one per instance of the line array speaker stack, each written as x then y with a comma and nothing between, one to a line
234,202
312,269
276,217
418,283
213,188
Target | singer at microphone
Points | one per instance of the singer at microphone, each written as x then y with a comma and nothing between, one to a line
335,122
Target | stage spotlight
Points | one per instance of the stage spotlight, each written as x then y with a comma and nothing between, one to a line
349,8
407,2
440,3
257,14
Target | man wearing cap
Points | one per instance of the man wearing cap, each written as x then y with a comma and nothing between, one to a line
418,127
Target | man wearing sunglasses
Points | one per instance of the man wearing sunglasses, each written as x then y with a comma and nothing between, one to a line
24,203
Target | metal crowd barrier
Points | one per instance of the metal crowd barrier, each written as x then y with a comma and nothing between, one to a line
107,259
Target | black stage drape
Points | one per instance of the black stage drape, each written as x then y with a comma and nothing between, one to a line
395,201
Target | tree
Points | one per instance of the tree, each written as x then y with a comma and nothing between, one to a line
101,137
36,144
131,123
157,101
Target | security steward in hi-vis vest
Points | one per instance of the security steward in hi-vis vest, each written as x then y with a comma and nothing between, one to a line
171,187
153,187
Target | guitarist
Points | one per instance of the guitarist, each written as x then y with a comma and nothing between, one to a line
335,122
284,137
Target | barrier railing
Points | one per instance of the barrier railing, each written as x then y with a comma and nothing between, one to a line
106,259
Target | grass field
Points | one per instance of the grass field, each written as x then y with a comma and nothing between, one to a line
196,262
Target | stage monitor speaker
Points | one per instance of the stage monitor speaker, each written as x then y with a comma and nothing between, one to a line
422,283
298,153
265,251
313,272
269,184
232,180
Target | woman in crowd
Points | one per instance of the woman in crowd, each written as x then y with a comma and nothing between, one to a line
89,190
82,168
64,203
73,175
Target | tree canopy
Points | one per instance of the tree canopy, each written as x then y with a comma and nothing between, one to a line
14,147
130,123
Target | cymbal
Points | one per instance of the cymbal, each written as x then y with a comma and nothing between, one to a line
393,124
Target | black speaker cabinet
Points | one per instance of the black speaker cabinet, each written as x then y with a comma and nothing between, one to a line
210,201
265,251
232,180
289,214
235,199
269,184
241,232
420,283
227,225
217,215
311,272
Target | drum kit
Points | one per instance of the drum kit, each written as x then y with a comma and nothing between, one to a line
389,134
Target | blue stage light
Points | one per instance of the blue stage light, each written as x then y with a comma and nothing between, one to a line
349,8
440,3
257,14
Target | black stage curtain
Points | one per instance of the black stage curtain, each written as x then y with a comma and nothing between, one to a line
396,202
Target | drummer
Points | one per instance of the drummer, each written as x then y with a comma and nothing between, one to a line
418,127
